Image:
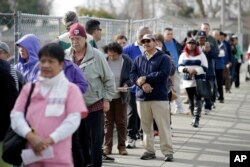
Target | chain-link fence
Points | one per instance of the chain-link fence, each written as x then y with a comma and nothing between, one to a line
47,28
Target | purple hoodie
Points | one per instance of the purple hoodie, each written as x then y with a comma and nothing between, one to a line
74,74
29,69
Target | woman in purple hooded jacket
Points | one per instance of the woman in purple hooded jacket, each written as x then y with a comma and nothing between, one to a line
28,48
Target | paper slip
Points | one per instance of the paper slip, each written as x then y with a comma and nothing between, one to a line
28,155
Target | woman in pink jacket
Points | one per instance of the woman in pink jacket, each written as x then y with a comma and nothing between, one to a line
54,113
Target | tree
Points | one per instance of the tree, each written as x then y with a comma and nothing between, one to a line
34,6
101,13
5,19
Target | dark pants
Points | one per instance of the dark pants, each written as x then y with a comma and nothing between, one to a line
95,127
237,75
133,118
81,155
227,80
209,101
195,103
219,79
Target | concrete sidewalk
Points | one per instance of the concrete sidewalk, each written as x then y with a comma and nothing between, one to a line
225,128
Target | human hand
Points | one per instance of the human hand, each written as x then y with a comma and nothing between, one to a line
106,106
37,142
147,88
141,80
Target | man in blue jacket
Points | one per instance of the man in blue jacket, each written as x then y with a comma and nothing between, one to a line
150,73
133,125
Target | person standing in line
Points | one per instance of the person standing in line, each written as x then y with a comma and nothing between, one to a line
193,65
206,28
227,62
94,34
69,18
219,64
101,90
121,40
239,59
210,52
8,97
5,55
120,65
247,78
94,30
150,73
28,63
133,129
175,50
61,106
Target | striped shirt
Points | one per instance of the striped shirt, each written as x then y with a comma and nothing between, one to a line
14,75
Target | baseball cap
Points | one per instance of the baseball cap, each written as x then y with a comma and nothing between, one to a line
4,47
201,34
77,30
148,36
191,40
234,36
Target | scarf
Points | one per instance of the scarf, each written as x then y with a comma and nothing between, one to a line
57,87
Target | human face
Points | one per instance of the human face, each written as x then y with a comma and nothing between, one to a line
149,45
4,55
78,43
168,35
97,35
112,55
23,52
122,42
206,28
191,46
202,40
50,66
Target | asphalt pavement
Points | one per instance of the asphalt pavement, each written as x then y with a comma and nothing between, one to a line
224,129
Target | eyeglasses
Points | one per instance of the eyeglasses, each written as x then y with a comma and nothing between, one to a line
99,29
145,41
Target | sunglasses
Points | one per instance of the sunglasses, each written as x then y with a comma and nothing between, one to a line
145,41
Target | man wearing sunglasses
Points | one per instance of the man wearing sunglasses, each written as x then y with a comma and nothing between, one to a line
150,73
93,29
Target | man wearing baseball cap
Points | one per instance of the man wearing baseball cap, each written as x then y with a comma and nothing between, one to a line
101,89
150,73
69,19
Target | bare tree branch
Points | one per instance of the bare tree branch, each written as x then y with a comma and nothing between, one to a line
201,6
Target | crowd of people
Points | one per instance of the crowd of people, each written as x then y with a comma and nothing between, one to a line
83,91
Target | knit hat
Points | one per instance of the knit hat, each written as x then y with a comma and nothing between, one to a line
4,47
77,30
69,18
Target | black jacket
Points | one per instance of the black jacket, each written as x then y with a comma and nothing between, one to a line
8,95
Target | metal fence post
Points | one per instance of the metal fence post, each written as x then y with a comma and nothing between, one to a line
16,32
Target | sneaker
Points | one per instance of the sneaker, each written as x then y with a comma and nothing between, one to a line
131,143
107,159
148,156
169,157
